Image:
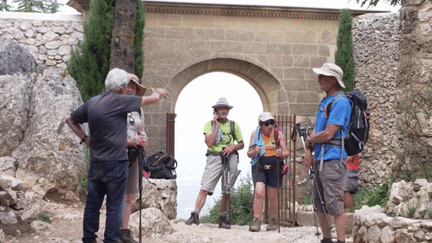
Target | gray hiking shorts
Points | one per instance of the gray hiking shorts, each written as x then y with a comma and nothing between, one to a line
330,183
351,181
213,171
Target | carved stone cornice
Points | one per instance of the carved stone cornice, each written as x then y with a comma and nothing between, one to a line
231,10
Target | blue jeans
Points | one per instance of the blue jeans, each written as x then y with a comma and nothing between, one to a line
105,178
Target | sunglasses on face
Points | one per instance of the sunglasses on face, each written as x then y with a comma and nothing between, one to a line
268,123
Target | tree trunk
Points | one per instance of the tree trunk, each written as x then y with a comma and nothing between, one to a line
123,35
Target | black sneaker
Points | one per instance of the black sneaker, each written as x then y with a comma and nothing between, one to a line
126,236
223,223
194,219
327,240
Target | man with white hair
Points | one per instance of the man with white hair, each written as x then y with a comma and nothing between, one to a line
106,115
329,164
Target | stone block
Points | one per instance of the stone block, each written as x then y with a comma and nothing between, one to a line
288,61
154,32
294,73
302,61
323,50
298,36
294,85
202,21
254,48
272,36
307,97
303,109
235,47
271,60
278,48
239,35
179,33
169,20
305,49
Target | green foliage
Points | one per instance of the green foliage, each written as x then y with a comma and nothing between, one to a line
307,200
31,6
44,217
411,210
139,37
379,195
241,205
414,151
373,3
344,56
89,63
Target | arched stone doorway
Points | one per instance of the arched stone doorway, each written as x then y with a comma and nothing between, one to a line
269,89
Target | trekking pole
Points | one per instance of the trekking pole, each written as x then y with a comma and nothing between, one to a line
141,158
225,185
303,134
278,202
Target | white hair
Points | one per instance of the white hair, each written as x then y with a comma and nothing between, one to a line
115,79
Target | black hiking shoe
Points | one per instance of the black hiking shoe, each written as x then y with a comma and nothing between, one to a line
126,236
223,223
327,240
194,219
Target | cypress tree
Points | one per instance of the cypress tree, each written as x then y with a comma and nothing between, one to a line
90,59
344,56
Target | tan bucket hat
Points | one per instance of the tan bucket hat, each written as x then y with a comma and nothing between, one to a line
330,69
140,88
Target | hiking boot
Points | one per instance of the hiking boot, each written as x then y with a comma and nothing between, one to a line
326,240
224,224
194,219
126,236
272,225
256,225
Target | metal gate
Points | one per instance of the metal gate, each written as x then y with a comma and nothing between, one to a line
287,192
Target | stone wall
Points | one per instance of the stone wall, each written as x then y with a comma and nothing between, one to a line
375,38
49,38
405,218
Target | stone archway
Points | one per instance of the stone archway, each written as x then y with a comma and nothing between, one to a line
269,89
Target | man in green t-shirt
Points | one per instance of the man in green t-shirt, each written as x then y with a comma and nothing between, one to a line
220,134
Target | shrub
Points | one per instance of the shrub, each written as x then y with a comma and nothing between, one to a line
240,208
44,217
414,151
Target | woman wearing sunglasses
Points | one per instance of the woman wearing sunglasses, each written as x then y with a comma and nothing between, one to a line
268,150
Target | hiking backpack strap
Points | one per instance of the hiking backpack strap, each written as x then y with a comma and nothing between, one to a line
334,141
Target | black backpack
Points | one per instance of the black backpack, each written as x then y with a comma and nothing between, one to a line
161,166
358,128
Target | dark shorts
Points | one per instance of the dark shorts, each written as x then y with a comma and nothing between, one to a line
330,183
351,181
270,177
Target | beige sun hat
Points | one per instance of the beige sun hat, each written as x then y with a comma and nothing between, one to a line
265,116
140,88
330,69
222,102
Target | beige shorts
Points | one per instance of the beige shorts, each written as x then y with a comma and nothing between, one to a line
213,171
330,182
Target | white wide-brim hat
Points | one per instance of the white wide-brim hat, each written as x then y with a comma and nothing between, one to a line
330,69
265,116
222,102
